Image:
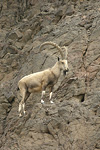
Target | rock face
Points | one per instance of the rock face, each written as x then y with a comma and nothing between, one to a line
73,121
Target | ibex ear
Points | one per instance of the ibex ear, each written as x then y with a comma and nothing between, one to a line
58,58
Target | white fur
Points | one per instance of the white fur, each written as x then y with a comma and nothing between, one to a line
43,93
24,108
51,102
50,95
42,101
19,107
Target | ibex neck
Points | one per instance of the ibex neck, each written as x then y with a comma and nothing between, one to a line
56,70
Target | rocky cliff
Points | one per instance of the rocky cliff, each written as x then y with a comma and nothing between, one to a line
73,121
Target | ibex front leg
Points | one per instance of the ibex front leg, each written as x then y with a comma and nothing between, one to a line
50,95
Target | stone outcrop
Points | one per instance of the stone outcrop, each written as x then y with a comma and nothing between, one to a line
73,121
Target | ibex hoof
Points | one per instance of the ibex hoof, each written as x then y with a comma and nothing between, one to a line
51,102
42,101
20,115
24,112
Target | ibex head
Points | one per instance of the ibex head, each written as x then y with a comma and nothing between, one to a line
63,64
64,61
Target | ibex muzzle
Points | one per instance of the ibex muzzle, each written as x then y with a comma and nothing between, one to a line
64,72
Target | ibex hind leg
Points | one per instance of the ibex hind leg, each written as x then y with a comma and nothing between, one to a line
50,95
19,109
23,105
23,93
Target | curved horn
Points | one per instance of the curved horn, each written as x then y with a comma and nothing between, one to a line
66,51
53,44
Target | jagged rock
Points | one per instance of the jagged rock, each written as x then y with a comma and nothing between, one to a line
15,35
19,45
1,76
10,97
27,35
70,10
73,121
8,49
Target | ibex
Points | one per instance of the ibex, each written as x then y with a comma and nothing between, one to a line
41,80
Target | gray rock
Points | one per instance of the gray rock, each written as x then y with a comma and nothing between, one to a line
73,121
27,35
15,35
70,10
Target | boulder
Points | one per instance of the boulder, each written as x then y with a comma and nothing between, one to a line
27,35
15,35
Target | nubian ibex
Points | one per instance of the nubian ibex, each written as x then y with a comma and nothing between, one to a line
44,79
